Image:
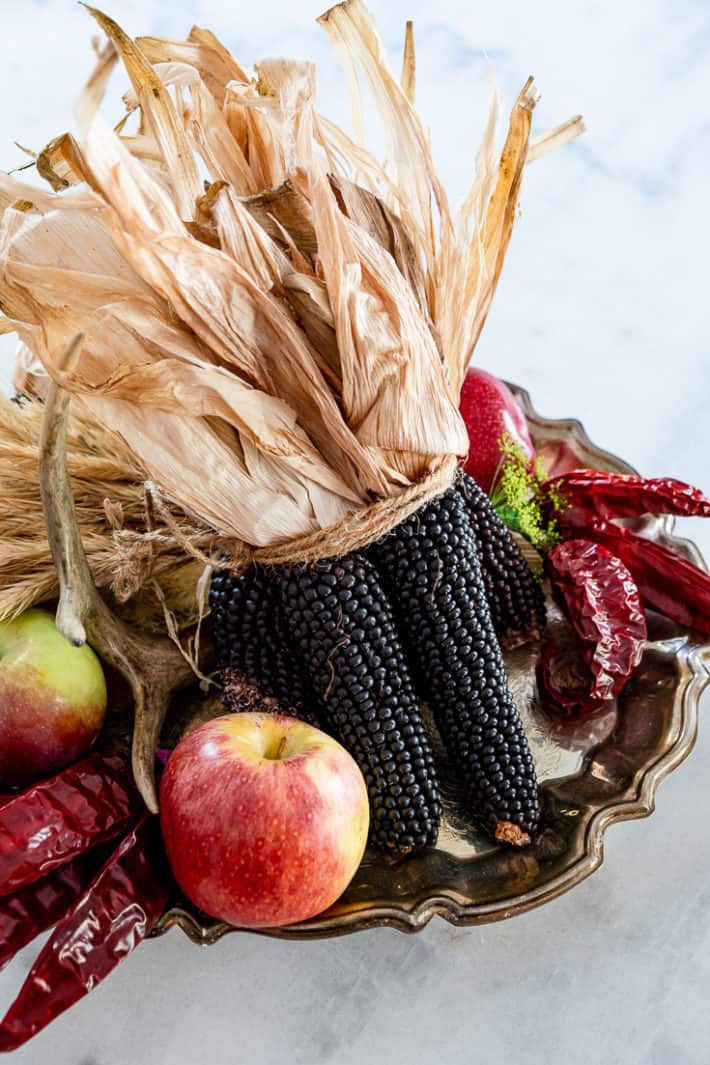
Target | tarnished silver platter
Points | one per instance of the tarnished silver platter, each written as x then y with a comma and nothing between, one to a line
604,770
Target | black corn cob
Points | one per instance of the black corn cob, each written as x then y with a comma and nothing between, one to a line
249,639
430,568
228,594
288,681
515,596
342,628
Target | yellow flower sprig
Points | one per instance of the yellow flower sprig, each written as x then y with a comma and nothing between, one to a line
519,498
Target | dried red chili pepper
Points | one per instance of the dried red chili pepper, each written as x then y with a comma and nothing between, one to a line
597,495
119,909
601,601
38,906
51,823
565,680
667,583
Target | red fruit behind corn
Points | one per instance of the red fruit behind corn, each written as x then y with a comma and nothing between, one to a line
490,411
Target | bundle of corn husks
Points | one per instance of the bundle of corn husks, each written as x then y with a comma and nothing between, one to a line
266,370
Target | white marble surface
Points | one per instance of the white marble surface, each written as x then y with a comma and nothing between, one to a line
602,313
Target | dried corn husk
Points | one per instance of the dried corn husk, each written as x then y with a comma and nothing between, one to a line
285,344
131,563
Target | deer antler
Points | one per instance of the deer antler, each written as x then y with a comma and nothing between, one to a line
153,666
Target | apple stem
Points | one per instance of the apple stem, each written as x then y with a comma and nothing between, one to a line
153,666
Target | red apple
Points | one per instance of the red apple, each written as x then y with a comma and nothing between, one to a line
52,698
264,818
490,410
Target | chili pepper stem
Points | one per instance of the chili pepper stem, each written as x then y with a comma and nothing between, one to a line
154,667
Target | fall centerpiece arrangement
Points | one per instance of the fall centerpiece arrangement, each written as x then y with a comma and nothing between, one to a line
248,472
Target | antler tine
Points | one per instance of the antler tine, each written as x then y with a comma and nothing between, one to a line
154,667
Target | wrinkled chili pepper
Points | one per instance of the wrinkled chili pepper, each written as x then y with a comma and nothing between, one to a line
564,679
597,495
599,597
668,583
51,823
35,908
118,910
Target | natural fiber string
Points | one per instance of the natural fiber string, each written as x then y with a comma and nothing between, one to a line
363,526
236,549
190,654
358,529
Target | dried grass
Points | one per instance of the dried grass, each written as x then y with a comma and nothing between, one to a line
125,558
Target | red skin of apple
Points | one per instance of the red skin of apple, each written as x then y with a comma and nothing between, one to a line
40,733
490,410
262,841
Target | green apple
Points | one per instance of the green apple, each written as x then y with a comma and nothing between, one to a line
52,698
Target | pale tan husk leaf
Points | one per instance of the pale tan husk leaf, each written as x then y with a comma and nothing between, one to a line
273,349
